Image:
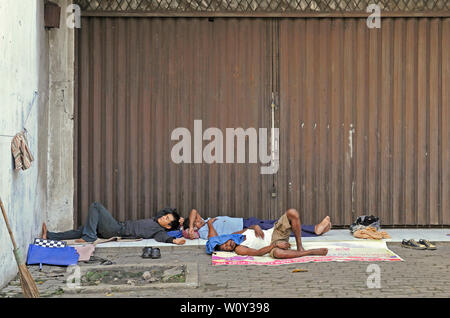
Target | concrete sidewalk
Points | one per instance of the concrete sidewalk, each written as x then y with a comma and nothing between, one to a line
397,235
423,273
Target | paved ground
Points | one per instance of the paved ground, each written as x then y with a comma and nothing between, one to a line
422,274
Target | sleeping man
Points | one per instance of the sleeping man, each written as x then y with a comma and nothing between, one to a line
196,226
100,223
258,242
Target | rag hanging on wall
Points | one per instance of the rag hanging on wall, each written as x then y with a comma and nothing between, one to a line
21,152
19,145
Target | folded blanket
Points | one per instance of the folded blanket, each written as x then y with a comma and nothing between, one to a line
371,233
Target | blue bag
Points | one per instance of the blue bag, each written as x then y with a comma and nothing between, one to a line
64,256
175,234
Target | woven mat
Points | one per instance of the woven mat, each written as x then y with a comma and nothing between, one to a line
344,251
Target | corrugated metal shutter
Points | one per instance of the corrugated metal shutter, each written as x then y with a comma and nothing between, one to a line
362,114
364,119
139,79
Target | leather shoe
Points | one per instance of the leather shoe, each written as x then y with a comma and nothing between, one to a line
156,253
147,252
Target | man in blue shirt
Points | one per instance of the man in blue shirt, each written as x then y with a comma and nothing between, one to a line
196,226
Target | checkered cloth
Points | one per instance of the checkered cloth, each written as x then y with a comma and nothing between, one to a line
49,243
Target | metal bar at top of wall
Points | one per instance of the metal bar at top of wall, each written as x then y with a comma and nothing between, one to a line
136,14
267,8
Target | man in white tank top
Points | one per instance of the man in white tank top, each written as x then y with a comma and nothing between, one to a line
274,241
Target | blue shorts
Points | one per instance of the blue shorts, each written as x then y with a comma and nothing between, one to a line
307,230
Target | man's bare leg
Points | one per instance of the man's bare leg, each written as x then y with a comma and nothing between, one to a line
323,227
282,254
294,219
44,231
45,235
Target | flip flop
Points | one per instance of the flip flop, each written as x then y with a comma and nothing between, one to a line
427,244
413,244
95,259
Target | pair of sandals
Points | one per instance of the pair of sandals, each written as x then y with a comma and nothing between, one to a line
102,261
151,252
421,245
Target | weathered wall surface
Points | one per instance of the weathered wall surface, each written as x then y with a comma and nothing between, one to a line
60,184
23,71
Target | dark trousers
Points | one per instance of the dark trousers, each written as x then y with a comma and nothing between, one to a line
99,223
307,230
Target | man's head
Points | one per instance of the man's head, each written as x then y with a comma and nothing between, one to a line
168,218
226,242
228,246
198,222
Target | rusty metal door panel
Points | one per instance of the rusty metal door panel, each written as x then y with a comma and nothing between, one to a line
362,114
363,119
139,79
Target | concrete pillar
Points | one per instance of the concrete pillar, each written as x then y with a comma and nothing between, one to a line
60,184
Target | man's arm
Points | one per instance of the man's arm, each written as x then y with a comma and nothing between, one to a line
162,236
192,218
243,250
211,230
190,227
258,231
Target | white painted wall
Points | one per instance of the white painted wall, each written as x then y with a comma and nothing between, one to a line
23,70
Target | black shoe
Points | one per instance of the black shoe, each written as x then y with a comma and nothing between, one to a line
156,253
427,244
147,252
413,244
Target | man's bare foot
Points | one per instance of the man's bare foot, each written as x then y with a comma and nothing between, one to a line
322,226
80,241
327,228
44,231
319,251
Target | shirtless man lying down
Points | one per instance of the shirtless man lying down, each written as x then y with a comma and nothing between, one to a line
274,241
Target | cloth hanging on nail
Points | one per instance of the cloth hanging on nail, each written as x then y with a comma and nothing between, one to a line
21,152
